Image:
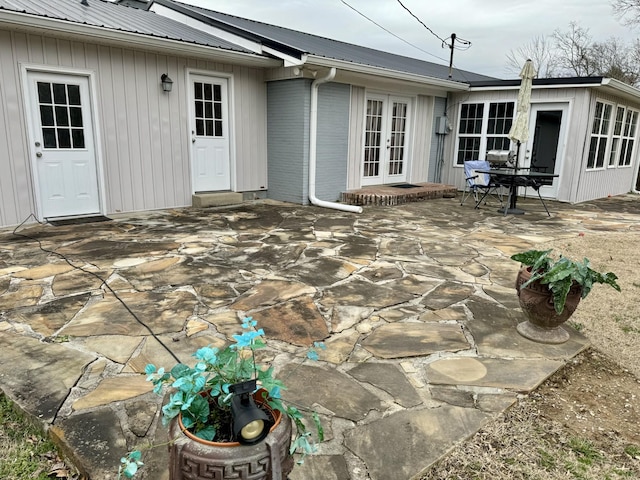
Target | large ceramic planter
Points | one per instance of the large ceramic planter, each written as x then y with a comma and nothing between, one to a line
191,458
543,323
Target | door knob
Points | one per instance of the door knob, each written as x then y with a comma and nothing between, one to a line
38,154
193,136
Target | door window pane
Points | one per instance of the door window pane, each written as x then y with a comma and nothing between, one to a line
62,117
74,94
44,92
75,115
46,115
49,137
64,138
59,94
77,136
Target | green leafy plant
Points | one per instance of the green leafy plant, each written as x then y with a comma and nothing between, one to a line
561,273
202,394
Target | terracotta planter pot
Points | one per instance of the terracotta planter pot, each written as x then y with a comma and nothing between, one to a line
543,322
191,458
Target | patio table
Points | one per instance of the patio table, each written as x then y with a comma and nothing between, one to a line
514,178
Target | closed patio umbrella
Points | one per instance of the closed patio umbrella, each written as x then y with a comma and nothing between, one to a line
520,129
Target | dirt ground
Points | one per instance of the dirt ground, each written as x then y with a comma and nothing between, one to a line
584,422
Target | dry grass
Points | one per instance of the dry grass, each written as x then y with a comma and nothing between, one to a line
583,422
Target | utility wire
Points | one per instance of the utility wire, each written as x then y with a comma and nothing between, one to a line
423,24
390,32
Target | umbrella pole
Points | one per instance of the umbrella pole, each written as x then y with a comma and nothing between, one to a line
517,156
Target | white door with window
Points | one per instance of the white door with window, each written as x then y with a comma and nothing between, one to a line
545,147
386,140
62,144
210,157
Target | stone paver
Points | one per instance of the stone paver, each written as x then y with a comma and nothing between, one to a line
416,305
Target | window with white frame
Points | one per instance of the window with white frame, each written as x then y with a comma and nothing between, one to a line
612,137
483,127
615,140
628,138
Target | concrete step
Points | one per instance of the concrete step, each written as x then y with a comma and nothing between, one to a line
215,199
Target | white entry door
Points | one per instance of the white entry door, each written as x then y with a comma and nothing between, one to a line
545,147
62,142
210,158
386,139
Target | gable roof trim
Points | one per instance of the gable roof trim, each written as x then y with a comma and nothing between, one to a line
179,47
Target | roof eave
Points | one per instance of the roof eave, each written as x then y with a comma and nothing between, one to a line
448,85
620,89
22,20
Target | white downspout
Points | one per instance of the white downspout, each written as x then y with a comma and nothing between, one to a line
313,140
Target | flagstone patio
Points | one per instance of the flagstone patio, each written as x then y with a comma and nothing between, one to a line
415,304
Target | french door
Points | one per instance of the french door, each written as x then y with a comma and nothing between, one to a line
386,139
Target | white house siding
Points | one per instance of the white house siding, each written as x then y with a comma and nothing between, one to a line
571,177
356,137
422,136
436,154
608,181
144,138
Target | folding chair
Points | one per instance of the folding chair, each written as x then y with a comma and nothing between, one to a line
479,183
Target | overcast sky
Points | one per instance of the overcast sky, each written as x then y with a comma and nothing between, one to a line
494,27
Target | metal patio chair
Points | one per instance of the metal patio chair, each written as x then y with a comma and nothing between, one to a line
480,185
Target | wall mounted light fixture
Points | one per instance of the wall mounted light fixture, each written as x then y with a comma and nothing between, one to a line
167,83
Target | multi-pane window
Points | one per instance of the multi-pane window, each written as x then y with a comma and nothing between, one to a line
483,127
599,135
470,131
615,140
628,138
61,115
500,120
613,137
208,109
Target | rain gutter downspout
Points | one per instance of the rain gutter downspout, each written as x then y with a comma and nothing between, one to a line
313,140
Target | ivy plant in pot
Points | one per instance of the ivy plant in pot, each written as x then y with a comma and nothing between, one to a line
549,289
226,417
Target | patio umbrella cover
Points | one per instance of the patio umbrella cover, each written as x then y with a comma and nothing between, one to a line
520,129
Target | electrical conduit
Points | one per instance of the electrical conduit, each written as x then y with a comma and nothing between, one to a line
313,140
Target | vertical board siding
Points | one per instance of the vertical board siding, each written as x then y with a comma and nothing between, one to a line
608,181
144,143
333,141
421,135
436,158
356,137
576,140
15,168
288,139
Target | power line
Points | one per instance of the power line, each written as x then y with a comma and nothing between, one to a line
423,24
390,32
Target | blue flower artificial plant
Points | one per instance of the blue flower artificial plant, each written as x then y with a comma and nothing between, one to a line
202,393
